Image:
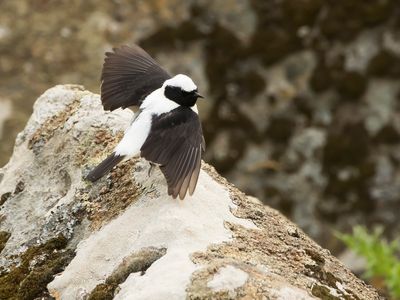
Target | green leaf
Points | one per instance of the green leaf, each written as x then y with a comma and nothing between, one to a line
381,256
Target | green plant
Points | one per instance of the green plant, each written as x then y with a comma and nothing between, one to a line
381,256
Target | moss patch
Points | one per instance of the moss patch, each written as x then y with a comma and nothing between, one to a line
138,262
19,187
37,268
4,236
4,197
103,291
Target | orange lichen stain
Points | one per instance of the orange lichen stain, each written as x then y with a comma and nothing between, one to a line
47,130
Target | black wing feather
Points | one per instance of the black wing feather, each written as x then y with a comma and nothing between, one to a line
129,74
176,142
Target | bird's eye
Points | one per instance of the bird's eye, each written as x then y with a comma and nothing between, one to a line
181,96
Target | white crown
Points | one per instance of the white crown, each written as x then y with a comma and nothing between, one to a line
182,81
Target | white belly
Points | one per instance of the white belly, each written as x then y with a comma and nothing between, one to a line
155,104
135,136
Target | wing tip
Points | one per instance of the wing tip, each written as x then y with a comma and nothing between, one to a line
172,193
175,193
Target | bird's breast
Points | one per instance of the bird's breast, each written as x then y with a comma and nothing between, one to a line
156,103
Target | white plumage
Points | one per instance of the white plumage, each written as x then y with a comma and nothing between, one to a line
154,104
182,81
166,130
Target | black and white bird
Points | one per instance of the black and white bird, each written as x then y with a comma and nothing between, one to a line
166,129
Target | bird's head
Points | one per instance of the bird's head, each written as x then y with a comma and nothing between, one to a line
182,90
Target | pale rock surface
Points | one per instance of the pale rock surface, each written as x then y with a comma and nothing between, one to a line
123,237
5,111
228,278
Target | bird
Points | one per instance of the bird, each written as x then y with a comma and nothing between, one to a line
165,130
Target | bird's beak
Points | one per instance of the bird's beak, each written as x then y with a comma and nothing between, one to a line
199,96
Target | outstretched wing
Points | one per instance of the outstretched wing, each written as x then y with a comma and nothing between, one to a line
129,74
176,143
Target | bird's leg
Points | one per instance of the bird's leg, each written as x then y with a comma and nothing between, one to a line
151,169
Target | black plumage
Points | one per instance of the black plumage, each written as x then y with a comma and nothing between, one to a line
129,74
176,143
104,167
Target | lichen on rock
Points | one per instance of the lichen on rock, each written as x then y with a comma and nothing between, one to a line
123,237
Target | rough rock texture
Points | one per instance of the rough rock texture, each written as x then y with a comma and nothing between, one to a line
309,88
124,238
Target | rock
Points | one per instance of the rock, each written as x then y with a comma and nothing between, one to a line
123,237
5,113
270,70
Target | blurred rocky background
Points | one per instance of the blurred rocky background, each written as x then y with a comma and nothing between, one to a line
302,101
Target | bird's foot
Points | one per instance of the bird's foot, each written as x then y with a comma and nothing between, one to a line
151,169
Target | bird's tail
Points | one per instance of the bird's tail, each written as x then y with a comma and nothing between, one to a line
104,167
